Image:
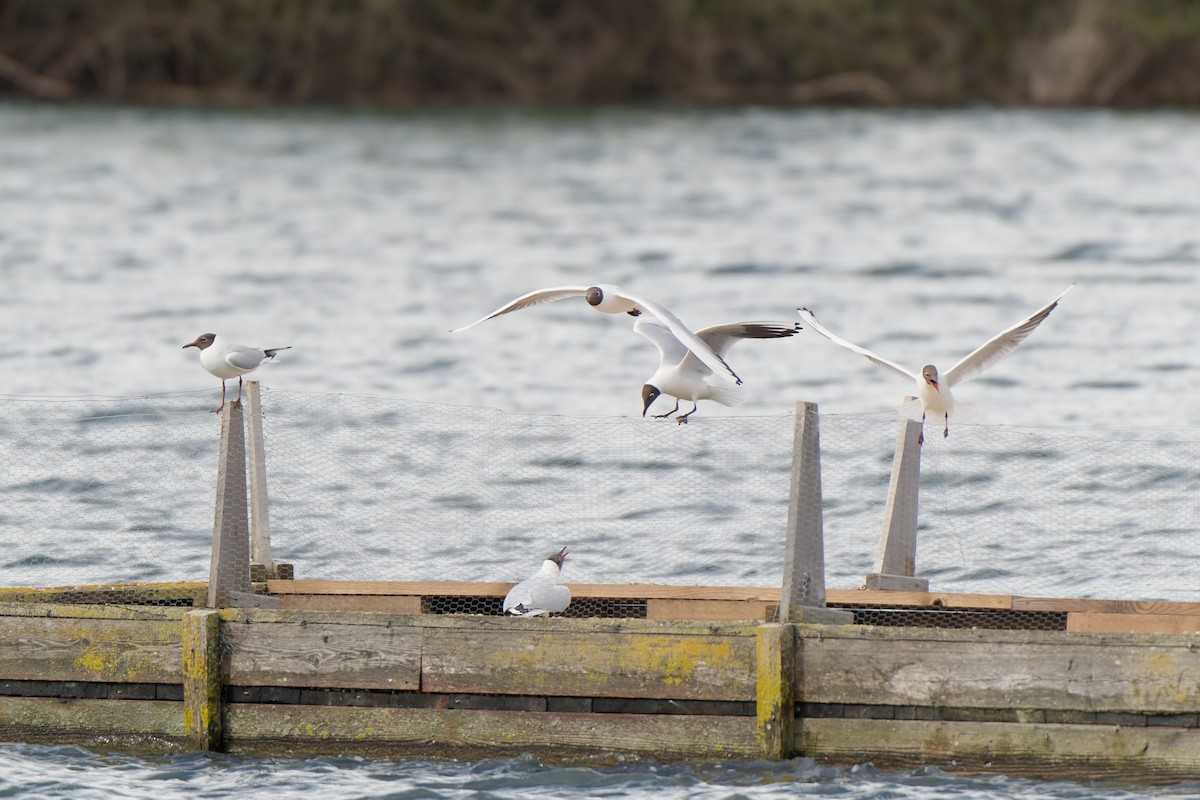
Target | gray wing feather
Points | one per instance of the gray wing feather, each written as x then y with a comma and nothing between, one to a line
246,358
999,345
878,360
535,298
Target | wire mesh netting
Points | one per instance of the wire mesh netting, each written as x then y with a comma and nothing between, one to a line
365,488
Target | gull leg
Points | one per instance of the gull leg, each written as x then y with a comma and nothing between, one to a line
683,417
946,432
669,413
921,435
238,402
217,410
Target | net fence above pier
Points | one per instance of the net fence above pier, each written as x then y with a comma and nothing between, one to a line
376,489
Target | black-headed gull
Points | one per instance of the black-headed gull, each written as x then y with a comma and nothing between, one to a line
227,360
682,376
933,392
540,593
615,300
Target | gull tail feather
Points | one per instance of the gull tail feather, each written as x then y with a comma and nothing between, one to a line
727,395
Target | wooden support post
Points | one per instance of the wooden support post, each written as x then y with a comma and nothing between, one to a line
229,567
260,522
803,595
895,567
775,695
202,679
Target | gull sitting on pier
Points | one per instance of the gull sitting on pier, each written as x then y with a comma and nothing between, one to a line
615,300
683,376
227,360
933,391
541,593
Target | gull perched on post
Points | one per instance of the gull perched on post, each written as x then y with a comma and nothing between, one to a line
614,300
227,360
540,593
933,390
683,376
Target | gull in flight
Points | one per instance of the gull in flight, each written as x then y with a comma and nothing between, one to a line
933,391
683,376
615,300
227,360
540,593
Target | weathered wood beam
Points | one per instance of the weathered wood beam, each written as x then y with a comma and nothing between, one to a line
775,679
202,679
895,566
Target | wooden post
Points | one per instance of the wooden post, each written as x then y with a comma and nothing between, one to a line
895,567
260,525
202,679
229,568
775,694
803,595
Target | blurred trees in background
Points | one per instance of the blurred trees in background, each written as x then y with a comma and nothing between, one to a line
409,53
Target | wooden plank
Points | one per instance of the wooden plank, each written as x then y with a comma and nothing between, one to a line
1005,747
323,655
657,608
1109,606
494,660
450,732
1132,623
154,726
120,651
898,542
229,564
388,604
998,669
123,593
865,597
618,591
91,611
256,469
202,679
775,703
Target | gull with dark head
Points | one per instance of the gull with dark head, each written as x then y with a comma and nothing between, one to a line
932,388
612,299
227,360
541,593
683,376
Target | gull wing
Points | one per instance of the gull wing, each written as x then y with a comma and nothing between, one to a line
246,358
535,298
519,595
722,337
670,349
999,345
550,596
684,334
890,366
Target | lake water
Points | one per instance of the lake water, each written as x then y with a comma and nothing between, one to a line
361,240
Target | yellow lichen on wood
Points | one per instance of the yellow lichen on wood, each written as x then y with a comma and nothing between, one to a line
202,679
775,704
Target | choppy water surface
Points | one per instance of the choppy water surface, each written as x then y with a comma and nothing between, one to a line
74,774
361,240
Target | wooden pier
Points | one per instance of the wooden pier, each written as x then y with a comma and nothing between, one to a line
253,661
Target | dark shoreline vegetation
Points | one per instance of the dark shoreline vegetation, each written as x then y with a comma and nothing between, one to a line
422,53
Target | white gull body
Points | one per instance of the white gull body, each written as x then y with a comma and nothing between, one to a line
933,395
612,299
540,593
682,375
226,360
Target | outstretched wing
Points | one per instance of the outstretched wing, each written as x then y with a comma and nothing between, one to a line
535,298
722,337
670,349
684,334
999,345
890,366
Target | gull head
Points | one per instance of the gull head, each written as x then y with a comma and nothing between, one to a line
929,375
649,395
202,341
558,558
609,299
595,295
